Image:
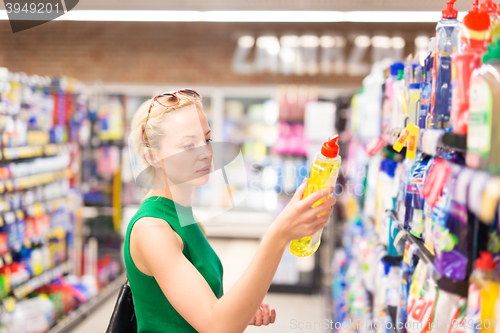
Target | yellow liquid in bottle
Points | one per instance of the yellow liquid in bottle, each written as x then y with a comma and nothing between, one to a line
322,174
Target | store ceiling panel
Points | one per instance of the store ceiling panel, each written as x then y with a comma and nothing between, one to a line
339,5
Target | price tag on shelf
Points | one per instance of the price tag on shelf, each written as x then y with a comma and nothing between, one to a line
410,130
412,144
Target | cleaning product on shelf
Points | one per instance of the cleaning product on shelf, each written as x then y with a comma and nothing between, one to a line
450,232
425,101
398,98
414,96
416,182
323,173
407,270
394,74
483,294
447,32
483,137
491,8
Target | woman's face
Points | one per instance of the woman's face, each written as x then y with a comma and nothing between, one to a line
185,148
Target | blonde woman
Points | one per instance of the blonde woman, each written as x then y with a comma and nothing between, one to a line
174,274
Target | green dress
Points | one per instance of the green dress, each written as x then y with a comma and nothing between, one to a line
154,312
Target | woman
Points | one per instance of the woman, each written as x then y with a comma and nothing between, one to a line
174,274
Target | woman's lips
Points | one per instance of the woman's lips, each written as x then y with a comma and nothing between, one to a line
205,170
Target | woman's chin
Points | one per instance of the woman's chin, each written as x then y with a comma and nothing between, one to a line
200,181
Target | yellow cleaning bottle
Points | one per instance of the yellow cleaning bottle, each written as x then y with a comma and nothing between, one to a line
324,172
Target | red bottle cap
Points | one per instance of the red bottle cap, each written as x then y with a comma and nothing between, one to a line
330,148
489,7
450,12
485,261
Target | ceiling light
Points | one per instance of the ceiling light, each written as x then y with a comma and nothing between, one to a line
398,42
246,42
327,41
309,41
290,41
362,41
381,41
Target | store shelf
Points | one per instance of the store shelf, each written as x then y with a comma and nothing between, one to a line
38,281
450,285
23,183
16,153
78,315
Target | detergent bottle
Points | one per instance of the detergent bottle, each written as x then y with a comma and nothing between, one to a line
474,35
483,135
447,35
324,172
483,294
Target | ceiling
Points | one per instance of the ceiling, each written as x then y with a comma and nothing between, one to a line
339,5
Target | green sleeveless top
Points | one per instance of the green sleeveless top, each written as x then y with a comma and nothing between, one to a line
154,312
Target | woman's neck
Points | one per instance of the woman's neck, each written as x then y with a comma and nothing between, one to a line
178,193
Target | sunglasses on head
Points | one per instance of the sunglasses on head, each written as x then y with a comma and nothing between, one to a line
168,100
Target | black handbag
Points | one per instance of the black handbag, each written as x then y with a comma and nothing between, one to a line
123,319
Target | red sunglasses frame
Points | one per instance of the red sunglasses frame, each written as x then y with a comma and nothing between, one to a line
155,99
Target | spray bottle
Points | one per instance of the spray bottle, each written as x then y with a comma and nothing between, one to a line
447,33
324,172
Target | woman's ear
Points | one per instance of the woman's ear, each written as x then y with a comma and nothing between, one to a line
151,158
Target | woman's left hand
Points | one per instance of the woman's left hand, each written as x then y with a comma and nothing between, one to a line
263,316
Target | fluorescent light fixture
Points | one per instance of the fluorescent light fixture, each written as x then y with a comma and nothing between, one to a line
270,43
247,16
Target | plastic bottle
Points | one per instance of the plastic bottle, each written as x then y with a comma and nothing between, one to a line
425,101
324,172
483,293
483,137
447,33
388,96
491,8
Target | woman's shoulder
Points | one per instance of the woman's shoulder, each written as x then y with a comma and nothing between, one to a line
147,228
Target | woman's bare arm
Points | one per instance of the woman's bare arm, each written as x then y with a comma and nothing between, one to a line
190,294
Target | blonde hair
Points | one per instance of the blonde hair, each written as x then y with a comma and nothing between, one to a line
150,143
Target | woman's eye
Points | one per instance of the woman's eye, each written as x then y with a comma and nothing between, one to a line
189,146
209,140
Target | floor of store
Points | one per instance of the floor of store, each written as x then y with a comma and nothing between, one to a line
235,255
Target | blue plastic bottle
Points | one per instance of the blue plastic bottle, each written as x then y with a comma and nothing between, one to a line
447,34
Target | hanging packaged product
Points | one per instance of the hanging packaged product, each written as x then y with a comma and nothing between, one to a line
450,231
447,33
324,172
425,101
483,294
484,135
491,8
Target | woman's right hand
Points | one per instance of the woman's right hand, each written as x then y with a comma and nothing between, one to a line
298,219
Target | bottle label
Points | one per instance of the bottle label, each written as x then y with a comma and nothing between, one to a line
481,106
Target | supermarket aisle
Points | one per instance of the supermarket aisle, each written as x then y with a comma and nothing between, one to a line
235,256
